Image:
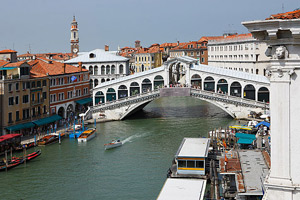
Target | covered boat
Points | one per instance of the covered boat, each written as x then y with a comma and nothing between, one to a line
87,135
48,139
113,144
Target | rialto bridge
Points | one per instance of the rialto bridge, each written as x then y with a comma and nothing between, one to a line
237,93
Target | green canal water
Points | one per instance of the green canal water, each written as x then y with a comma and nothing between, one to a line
137,170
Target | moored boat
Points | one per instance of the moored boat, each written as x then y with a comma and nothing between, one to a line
113,144
28,157
11,165
87,135
48,139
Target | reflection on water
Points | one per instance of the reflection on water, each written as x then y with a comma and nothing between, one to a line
136,170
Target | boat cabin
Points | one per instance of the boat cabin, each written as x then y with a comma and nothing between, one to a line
191,156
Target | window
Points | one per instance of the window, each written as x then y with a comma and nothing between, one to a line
45,109
44,83
25,113
17,100
32,97
199,164
33,84
10,117
28,85
190,164
44,95
25,98
38,84
39,110
17,86
70,94
33,112
202,60
192,53
11,101
17,115
10,87
181,163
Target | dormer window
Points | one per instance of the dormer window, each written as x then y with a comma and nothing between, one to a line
92,55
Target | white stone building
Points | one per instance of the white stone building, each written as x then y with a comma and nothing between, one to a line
238,52
103,65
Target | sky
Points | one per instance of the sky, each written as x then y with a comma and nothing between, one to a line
43,26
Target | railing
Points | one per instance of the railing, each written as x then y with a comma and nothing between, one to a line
36,102
228,99
126,101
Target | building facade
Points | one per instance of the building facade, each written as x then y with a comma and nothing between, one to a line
69,86
148,58
23,98
238,52
194,49
102,65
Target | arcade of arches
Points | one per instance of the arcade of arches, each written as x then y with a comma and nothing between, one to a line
223,86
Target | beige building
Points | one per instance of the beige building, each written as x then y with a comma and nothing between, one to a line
23,98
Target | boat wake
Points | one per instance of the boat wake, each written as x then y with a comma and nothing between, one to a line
133,137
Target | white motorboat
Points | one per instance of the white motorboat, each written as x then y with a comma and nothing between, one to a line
87,135
113,144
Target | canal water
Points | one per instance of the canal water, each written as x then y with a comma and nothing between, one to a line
137,170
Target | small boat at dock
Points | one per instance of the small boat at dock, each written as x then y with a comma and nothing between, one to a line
113,144
87,135
28,157
48,139
11,164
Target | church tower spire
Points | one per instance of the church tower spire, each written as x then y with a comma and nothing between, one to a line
74,36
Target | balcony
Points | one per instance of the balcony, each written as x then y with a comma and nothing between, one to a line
37,102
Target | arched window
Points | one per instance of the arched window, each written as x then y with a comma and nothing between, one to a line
236,89
121,70
107,69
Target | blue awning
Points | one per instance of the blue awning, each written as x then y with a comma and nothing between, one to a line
84,101
245,141
7,68
245,136
47,120
263,123
20,126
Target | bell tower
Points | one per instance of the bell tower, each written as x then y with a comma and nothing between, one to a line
74,37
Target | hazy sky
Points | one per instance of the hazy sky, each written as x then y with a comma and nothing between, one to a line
44,25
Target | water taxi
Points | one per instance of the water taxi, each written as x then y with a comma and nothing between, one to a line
113,144
87,135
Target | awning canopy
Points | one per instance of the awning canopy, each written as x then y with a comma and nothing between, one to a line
9,136
241,127
245,136
263,123
47,120
20,126
245,141
84,101
7,68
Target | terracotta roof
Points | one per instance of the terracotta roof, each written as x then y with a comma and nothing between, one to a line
288,15
15,64
7,51
3,62
224,38
174,44
45,67
55,56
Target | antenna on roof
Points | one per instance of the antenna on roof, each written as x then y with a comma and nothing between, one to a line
282,7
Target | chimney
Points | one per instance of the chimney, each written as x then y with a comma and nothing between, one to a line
106,48
178,43
137,44
80,66
64,68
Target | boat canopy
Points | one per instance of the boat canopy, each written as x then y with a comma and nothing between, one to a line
9,136
263,123
245,141
246,136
